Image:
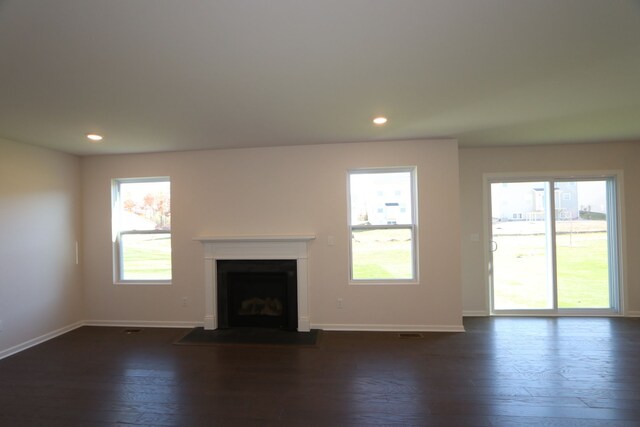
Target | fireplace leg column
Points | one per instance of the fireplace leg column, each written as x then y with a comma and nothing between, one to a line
304,324
210,297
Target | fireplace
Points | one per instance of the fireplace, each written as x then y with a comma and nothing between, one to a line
257,293
292,248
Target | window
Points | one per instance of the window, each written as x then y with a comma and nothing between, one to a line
142,230
382,222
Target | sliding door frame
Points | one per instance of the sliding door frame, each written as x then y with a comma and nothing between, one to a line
616,241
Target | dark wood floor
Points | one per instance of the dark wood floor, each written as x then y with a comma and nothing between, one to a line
501,372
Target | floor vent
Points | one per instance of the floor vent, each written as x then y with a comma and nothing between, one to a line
410,335
132,331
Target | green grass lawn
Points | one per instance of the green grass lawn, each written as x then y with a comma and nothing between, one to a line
146,257
382,254
520,272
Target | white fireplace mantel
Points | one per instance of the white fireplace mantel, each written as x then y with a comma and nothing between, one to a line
256,247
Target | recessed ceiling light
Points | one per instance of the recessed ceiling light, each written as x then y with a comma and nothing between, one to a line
94,137
380,120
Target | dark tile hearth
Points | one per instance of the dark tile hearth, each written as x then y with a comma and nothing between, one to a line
262,336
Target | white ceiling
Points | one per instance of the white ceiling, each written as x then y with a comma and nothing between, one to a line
164,75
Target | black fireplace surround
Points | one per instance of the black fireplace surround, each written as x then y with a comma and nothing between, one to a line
257,293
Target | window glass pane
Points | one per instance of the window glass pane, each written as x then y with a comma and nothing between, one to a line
381,198
146,256
382,254
521,274
145,206
582,245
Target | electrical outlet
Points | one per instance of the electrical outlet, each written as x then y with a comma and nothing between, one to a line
184,301
331,240
339,302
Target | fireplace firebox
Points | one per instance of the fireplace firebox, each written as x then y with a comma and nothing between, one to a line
257,293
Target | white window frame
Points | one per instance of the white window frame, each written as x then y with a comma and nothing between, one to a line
117,232
413,227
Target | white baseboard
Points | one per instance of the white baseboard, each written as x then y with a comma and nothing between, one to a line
143,323
389,328
475,313
633,314
39,340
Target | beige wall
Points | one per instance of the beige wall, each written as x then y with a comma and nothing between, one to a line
574,157
282,190
40,288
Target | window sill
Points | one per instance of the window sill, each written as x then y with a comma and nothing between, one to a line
142,282
411,282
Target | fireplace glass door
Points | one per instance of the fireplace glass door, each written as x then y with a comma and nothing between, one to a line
257,293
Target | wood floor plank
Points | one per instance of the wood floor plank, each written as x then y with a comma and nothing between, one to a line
501,372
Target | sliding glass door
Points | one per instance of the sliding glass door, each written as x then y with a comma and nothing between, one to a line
554,246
